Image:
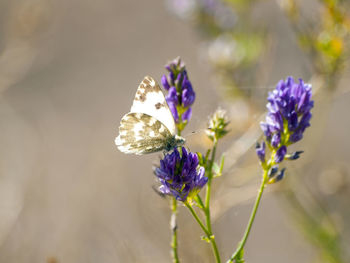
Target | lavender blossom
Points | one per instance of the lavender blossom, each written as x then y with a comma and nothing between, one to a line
180,95
180,175
288,116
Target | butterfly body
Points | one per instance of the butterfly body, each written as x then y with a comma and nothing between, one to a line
150,126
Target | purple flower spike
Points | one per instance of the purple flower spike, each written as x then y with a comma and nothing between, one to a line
289,106
180,91
180,175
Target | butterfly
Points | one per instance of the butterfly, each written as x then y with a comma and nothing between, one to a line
149,126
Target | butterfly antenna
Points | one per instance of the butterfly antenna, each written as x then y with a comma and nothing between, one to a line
194,132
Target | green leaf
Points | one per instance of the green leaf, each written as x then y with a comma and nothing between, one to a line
200,159
216,169
206,164
199,203
222,162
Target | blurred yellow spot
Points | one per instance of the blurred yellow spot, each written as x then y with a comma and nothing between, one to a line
337,46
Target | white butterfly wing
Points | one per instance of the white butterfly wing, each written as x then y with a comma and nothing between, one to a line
140,133
149,99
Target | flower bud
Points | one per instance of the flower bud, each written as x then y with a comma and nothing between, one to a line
217,125
260,151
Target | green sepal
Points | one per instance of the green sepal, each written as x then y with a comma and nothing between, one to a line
198,202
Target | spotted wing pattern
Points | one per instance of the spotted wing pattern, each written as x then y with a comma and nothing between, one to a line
149,99
140,133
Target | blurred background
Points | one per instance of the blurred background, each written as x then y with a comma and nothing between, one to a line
68,73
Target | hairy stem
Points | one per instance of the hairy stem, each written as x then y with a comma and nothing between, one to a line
208,193
173,227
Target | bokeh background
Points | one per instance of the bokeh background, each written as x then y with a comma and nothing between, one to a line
68,73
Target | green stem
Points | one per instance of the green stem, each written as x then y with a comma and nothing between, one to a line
208,193
173,226
251,219
209,235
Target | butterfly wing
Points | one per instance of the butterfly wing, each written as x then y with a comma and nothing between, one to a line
141,133
149,99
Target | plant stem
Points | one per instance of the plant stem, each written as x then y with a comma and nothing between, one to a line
209,235
251,219
208,193
173,227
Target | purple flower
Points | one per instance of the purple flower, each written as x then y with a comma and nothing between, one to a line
173,110
172,96
187,115
280,175
277,177
290,103
188,95
180,175
294,155
276,139
260,151
288,115
273,171
281,152
165,82
180,91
